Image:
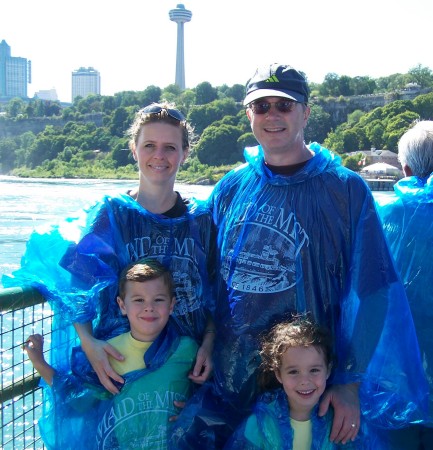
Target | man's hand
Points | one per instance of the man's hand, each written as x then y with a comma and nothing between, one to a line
344,399
203,364
97,353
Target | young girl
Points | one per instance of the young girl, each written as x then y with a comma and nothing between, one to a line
296,357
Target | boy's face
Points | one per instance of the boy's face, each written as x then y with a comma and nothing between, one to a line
303,374
148,305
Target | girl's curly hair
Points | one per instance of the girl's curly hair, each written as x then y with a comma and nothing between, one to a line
298,332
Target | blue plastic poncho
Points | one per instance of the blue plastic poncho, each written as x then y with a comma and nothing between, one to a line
79,414
269,428
407,218
77,262
311,242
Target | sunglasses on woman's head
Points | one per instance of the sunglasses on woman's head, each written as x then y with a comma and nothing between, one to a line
156,109
263,106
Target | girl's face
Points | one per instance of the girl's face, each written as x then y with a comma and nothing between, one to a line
303,374
159,152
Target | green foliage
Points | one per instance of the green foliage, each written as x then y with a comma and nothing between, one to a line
87,139
219,145
205,93
423,105
203,116
352,162
318,125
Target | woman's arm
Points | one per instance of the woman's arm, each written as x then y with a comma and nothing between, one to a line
97,352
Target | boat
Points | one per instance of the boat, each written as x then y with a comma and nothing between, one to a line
380,184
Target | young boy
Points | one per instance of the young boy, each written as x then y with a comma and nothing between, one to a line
156,366
296,357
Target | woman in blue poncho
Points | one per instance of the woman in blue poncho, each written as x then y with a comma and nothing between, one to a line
76,264
407,218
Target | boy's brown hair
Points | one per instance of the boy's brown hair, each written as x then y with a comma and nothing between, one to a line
145,270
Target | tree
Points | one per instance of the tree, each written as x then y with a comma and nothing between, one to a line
423,105
318,126
219,145
204,115
8,147
237,92
350,140
330,85
15,107
362,85
205,93
120,122
423,76
344,86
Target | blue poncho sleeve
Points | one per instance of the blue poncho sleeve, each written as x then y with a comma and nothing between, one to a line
408,225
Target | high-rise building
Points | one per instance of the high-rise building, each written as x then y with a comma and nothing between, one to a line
15,74
85,82
180,15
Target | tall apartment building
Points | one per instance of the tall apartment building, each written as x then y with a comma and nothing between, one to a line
15,74
85,82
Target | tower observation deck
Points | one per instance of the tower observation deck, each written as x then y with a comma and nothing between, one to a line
180,15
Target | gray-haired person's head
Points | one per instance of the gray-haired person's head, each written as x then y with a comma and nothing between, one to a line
415,149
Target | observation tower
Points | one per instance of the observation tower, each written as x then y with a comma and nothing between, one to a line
180,15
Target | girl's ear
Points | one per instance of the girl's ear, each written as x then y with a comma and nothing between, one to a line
278,376
121,304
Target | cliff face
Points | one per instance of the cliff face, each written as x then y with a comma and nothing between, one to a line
9,127
339,108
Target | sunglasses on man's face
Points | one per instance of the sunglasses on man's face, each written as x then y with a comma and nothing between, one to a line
156,109
263,106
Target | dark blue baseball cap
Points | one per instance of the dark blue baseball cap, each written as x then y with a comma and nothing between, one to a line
277,80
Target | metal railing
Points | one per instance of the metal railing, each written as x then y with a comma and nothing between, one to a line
22,312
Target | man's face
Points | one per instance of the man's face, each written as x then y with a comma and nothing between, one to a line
279,132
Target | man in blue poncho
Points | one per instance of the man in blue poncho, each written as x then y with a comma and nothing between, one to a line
408,223
298,232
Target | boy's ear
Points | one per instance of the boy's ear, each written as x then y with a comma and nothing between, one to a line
121,304
329,370
173,302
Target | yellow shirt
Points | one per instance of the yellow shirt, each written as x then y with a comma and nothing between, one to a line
132,350
302,434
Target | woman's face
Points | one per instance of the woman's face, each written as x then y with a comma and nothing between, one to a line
159,152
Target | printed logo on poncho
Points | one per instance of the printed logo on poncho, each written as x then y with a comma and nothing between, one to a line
183,266
138,420
261,251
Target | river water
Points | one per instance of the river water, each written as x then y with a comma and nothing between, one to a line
26,204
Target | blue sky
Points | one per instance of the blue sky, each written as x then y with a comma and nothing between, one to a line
132,43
